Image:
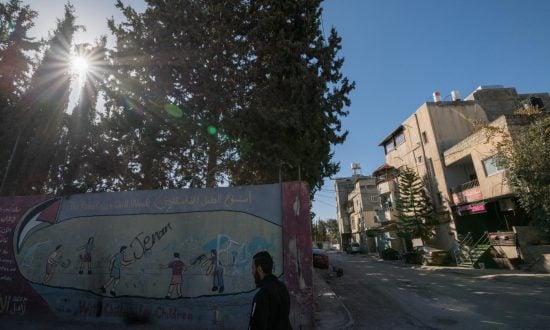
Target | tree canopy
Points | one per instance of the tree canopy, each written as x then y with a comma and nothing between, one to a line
189,97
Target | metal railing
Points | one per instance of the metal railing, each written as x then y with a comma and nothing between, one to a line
465,186
468,250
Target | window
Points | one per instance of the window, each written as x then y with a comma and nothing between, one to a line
389,146
374,198
419,160
399,138
424,137
490,166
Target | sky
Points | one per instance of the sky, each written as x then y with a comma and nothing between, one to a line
398,52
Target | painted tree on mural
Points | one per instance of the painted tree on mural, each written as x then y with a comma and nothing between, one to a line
415,212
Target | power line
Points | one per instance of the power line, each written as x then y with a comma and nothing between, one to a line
325,196
322,202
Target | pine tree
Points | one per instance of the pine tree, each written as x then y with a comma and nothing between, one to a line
415,212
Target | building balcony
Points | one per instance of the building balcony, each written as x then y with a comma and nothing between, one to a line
386,187
466,193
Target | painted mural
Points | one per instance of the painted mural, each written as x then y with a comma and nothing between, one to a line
171,257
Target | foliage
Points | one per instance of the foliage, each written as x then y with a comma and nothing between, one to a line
41,114
193,98
525,153
332,229
319,231
86,159
415,212
256,100
295,97
15,65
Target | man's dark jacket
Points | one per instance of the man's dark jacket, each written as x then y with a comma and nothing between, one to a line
271,306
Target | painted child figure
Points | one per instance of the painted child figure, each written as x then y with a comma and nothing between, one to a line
178,267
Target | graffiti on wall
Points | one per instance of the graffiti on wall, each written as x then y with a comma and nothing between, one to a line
180,256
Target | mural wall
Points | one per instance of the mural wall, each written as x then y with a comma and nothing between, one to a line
168,257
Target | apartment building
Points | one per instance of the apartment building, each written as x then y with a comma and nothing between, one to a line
420,143
363,208
482,199
343,186
358,206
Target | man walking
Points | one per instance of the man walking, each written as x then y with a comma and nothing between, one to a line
271,304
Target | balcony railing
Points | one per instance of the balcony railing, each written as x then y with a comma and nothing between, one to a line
466,193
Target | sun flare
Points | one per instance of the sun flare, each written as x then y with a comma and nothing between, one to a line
79,65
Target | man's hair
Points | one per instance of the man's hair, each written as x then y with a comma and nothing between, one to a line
122,248
176,255
264,260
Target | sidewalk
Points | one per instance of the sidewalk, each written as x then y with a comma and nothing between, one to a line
502,275
329,312
515,276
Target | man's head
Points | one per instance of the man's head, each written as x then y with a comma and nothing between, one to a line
262,265
176,255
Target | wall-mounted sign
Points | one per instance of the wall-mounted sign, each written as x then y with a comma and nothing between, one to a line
471,209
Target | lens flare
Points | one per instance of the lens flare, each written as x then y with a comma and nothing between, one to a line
212,130
173,110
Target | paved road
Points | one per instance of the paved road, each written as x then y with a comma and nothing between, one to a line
393,295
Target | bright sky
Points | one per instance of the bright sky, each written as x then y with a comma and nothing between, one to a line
398,52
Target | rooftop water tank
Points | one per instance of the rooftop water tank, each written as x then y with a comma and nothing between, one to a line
455,95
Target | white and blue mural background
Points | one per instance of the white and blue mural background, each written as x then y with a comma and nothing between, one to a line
109,256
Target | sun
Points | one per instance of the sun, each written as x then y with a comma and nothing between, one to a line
79,65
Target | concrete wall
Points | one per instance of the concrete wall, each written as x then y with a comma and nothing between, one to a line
534,248
59,255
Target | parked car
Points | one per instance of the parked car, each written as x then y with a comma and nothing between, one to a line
354,248
427,255
320,259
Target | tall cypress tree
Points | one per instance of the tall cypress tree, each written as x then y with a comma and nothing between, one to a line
296,96
415,212
42,112
15,64
86,160
200,98
173,88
